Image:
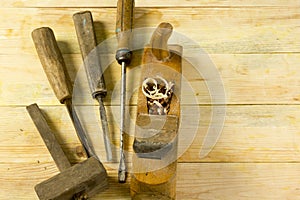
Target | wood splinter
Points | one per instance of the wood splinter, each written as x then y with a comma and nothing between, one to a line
156,135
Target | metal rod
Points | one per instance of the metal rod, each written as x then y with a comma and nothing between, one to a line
104,123
79,130
122,165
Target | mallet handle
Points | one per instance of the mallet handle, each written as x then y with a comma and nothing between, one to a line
48,137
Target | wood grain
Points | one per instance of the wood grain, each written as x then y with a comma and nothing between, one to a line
226,181
48,137
217,31
52,62
145,3
255,48
247,79
85,31
251,134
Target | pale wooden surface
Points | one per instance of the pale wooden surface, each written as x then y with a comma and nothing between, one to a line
254,45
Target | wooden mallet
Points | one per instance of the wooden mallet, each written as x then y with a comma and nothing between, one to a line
79,181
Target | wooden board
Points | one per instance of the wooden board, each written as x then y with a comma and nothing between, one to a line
253,44
251,133
269,181
218,31
145,3
270,78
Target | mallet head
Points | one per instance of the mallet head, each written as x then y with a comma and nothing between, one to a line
87,178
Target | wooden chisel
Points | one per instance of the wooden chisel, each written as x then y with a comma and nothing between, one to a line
84,26
55,69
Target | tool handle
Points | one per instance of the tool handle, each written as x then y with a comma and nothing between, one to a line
124,26
48,137
85,31
159,41
52,62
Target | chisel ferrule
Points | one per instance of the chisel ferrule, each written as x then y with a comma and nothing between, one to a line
123,56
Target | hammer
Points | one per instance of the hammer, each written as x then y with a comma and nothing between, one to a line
79,181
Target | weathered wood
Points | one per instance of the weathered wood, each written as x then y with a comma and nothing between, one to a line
84,25
159,41
171,71
52,62
83,179
88,176
156,136
48,137
124,23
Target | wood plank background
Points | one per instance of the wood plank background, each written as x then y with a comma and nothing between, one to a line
253,44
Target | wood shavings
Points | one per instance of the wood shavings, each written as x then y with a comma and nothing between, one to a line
159,93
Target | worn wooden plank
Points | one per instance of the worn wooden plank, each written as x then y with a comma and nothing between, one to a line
238,181
222,30
226,181
145,3
247,79
250,134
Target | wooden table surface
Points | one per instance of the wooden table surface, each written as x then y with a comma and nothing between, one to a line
255,46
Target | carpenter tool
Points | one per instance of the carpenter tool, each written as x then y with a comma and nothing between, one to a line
124,28
55,69
79,181
155,144
84,26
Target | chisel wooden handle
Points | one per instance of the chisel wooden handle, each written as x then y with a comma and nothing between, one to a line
159,41
52,62
48,137
84,26
124,26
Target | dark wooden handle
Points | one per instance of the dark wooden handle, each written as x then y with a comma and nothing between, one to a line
85,31
159,41
52,62
48,137
124,25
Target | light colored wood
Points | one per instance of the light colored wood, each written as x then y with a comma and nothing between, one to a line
146,3
245,181
251,134
255,47
217,31
247,79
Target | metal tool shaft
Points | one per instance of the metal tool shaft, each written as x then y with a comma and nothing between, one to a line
105,129
124,26
122,166
80,131
85,31
55,68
